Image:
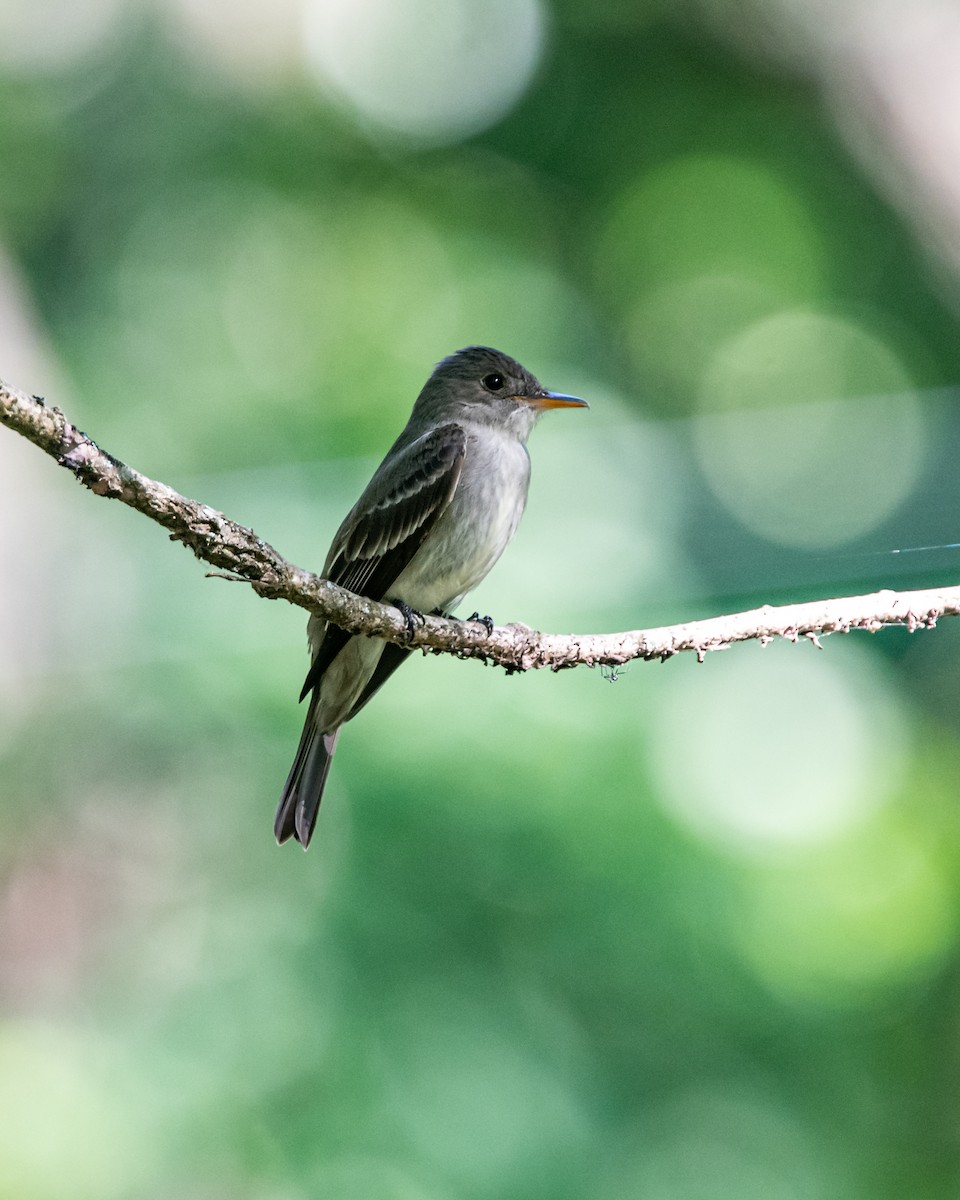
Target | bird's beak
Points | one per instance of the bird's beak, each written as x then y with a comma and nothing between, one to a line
554,400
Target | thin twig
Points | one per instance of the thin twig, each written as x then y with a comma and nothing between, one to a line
241,555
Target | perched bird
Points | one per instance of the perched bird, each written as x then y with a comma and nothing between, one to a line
437,514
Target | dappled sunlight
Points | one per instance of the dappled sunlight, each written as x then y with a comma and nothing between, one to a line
697,249
675,330
58,33
274,306
712,215
255,45
761,751
73,1110
677,932
432,70
821,435
836,924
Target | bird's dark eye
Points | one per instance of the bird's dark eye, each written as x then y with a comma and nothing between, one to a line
493,383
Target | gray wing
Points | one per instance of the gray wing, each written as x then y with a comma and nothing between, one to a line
387,525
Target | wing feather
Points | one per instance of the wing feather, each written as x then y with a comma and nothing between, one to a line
387,525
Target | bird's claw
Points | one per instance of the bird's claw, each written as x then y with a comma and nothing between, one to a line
410,616
485,621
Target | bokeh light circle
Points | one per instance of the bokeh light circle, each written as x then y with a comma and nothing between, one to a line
674,331
710,215
256,43
55,34
432,70
760,752
694,251
842,923
810,432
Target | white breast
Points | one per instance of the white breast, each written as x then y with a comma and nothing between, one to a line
477,526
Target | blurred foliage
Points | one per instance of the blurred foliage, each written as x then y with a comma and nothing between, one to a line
691,935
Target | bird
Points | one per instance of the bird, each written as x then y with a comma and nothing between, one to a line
437,514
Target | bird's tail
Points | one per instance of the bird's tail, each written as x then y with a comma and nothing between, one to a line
303,791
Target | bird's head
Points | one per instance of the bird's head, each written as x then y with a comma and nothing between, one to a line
487,387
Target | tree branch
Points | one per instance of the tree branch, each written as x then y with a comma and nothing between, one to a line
233,548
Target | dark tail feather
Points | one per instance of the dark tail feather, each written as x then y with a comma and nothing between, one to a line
303,791
300,799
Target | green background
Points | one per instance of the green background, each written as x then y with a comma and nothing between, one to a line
687,934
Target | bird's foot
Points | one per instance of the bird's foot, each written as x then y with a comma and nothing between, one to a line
486,622
410,616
